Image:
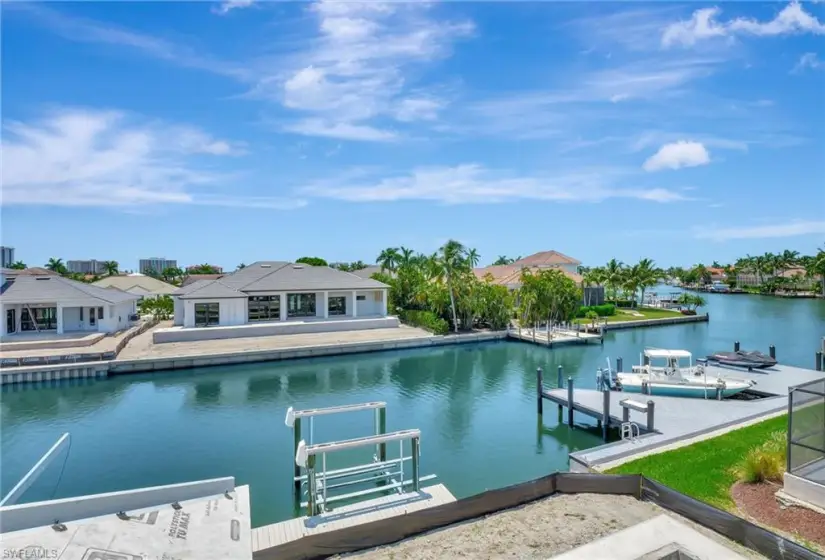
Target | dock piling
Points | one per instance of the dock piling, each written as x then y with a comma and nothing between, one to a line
736,346
605,414
381,428
570,401
772,351
619,365
296,469
560,377
651,408
819,365
539,389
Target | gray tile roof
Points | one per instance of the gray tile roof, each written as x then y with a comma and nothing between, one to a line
192,278
278,276
48,289
208,289
367,272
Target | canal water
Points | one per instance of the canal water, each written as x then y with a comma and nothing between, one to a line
475,406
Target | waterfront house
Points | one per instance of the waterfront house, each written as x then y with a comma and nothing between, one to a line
49,303
192,278
275,297
137,284
510,274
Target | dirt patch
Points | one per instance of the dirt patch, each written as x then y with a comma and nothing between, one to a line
758,501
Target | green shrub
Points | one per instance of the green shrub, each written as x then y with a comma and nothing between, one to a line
606,310
426,320
766,462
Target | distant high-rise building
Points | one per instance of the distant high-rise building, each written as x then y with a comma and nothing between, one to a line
91,266
157,264
7,257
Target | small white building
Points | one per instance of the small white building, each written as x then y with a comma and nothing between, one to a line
53,304
273,297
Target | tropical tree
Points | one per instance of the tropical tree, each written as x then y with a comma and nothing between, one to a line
691,301
161,307
473,258
111,268
502,260
614,274
240,266
388,259
311,261
172,274
646,276
452,259
816,267
56,265
17,265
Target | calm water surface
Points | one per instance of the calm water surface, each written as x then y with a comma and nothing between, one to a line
475,406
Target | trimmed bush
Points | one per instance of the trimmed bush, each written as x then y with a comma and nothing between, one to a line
606,310
426,320
766,462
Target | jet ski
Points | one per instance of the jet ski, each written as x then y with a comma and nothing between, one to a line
744,359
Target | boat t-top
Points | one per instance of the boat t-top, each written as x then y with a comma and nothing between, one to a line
672,373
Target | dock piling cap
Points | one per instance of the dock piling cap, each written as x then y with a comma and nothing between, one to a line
301,454
290,417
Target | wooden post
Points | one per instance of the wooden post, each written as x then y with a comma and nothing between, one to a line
651,409
570,401
296,470
539,388
381,429
772,351
415,467
736,346
311,486
605,414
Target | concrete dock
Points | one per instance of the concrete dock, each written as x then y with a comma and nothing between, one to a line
348,516
555,337
679,419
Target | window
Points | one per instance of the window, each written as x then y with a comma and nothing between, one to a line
44,317
207,314
264,308
300,305
361,298
100,313
338,305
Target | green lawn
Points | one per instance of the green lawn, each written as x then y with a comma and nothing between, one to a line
624,316
705,470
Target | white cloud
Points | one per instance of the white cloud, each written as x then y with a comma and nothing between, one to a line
340,130
793,19
808,60
81,157
677,155
357,67
783,229
475,184
230,5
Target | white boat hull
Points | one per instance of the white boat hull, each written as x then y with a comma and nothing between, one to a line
692,388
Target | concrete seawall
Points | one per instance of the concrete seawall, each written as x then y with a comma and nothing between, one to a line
160,364
657,322
38,374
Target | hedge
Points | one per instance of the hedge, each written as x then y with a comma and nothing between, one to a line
605,310
426,320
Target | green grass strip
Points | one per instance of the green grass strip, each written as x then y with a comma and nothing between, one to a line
705,470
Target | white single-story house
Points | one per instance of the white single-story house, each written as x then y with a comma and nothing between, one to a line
273,297
53,304
137,284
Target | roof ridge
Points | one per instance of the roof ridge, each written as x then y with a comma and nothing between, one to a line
270,273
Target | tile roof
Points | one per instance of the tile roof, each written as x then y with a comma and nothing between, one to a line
278,276
33,271
192,278
510,274
367,272
145,284
49,289
547,258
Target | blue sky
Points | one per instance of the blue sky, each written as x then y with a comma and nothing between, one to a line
234,132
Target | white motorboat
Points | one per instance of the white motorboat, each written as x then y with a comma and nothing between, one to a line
671,373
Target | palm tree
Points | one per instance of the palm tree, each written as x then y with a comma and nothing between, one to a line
240,266
647,276
451,259
613,275
406,257
502,260
388,259
787,260
816,267
17,265
111,267
473,257
56,265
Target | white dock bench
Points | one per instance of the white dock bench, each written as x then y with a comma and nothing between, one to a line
648,408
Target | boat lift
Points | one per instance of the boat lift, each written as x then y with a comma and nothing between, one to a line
383,473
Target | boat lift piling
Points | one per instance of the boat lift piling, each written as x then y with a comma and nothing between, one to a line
819,365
